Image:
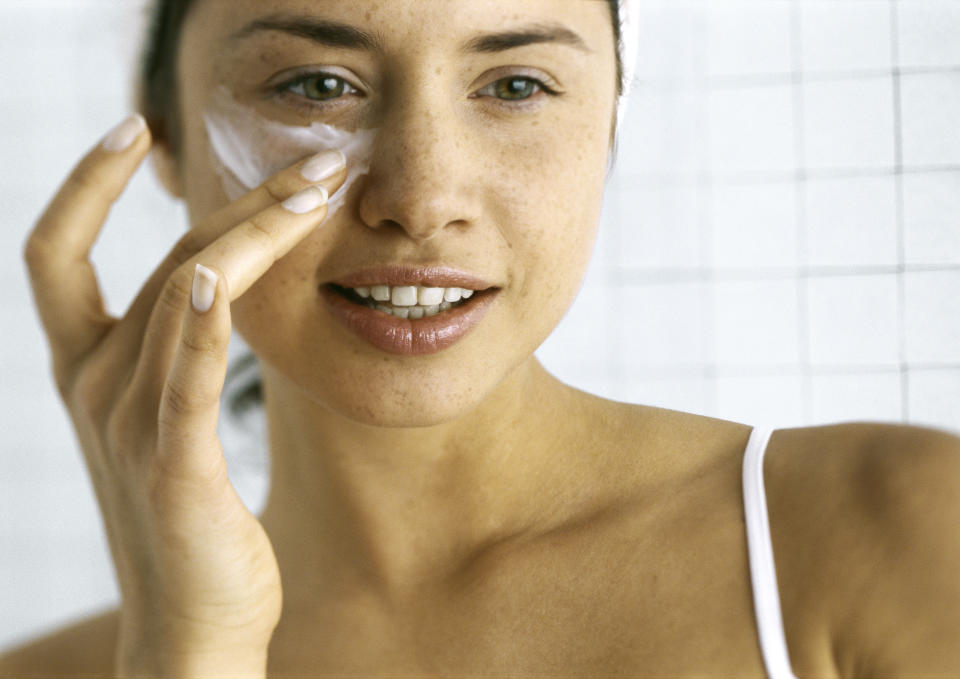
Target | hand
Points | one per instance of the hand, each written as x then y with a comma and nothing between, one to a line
200,587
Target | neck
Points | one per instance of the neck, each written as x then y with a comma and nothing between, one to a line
392,509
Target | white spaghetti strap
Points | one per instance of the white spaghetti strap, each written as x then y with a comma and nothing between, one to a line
766,599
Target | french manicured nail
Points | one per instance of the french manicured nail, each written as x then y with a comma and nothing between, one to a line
323,165
306,201
124,134
204,288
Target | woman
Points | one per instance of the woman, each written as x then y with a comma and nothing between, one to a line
440,505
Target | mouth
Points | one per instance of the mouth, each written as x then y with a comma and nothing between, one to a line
387,318
430,302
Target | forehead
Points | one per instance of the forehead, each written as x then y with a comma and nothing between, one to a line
454,27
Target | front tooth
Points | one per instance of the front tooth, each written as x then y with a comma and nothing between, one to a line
416,312
400,313
381,293
363,292
432,310
404,295
429,296
452,294
445,306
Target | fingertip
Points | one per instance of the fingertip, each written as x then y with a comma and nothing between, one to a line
204,291
121,137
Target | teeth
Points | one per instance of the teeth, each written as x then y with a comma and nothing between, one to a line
413,312
429,296
412,301
410,295
404,295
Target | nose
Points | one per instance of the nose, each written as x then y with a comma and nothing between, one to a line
422,176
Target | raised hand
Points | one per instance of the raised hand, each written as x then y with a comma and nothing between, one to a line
200,586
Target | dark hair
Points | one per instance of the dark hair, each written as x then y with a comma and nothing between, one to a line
158,97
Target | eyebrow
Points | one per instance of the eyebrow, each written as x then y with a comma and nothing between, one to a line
336,34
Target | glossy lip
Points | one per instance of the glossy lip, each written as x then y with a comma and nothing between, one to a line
425,276
406,337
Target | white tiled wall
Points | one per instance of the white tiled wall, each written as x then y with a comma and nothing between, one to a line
780,241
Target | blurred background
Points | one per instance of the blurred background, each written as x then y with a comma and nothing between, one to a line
780,243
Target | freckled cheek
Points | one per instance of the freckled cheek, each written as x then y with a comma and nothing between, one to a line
554,197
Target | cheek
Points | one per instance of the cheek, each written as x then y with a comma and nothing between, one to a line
552,202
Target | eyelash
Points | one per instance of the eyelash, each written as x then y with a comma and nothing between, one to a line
284,91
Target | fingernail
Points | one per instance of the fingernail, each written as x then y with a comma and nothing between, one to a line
306,201
124,134
204,288
323,165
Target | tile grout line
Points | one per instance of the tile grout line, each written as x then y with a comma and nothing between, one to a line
895,76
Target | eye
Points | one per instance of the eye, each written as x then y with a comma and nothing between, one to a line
318,87
515,88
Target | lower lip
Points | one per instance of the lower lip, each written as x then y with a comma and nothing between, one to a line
410,337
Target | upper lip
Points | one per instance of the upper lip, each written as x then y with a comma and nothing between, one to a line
425,276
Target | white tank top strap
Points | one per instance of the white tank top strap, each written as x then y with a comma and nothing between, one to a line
766,599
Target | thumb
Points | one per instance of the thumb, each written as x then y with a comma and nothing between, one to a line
188,446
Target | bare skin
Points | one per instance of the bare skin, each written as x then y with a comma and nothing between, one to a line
466,512
664,589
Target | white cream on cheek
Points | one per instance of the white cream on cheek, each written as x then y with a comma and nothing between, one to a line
247,149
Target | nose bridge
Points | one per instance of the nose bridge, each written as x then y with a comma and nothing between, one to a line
415,179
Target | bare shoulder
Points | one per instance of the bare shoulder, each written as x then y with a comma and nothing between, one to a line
80,649
865,519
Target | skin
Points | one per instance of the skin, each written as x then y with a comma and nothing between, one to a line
393,468
466,512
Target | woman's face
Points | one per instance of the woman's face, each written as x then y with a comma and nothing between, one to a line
475,165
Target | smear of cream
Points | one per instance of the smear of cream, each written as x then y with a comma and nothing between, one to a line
247,149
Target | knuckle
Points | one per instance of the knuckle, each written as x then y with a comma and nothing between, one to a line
275,189
123,428
36,250
258,230
185,248
89,395
199,343
39,251
176,290
180,399
92,178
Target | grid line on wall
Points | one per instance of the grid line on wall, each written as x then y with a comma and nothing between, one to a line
900,219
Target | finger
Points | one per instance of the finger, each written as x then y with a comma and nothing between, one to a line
327,169
57,251
242,255
188,447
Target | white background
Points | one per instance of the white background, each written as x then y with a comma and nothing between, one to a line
780,242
